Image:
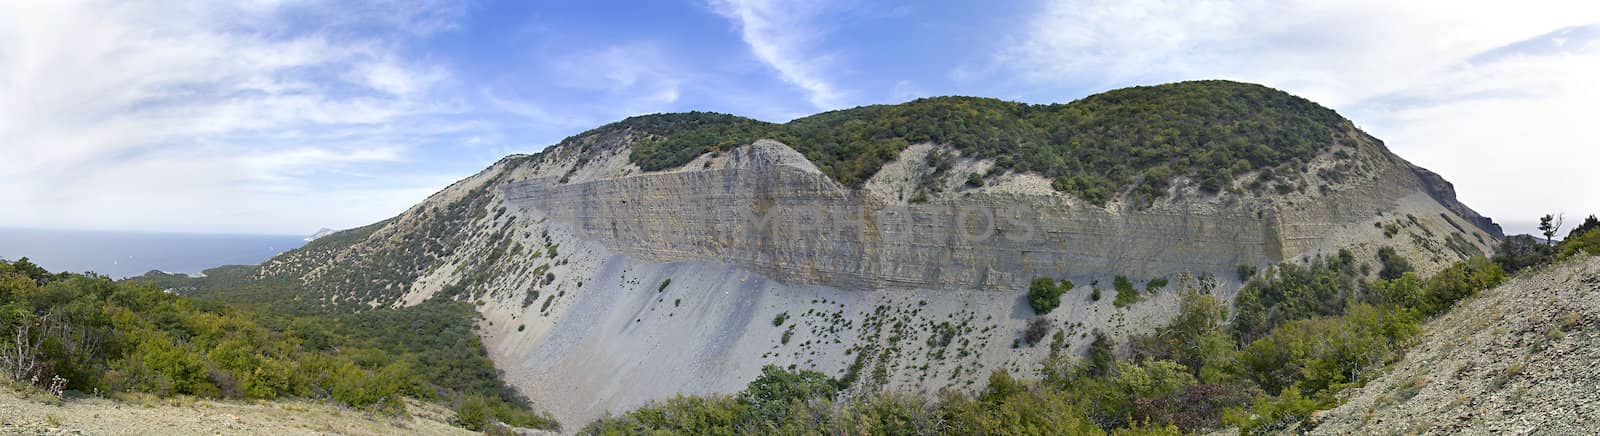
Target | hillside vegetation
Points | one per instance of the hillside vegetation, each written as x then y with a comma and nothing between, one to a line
1139,137
1303,333
75,335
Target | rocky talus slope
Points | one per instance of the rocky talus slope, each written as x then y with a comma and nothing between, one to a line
1522,358
605,285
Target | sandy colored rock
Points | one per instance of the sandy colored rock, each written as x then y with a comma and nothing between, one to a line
568,262
42,414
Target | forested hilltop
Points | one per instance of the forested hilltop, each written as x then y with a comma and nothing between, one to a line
74,335
1139,137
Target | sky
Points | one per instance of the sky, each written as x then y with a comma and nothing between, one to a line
286,116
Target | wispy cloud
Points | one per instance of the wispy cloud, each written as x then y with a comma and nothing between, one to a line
783,35
189,109
1458,89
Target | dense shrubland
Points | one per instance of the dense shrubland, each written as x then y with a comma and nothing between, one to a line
1301,333
75,334
1138,138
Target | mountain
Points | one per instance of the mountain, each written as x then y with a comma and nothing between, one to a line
320,233
890,246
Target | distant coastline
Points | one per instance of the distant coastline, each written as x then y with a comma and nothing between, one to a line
126,254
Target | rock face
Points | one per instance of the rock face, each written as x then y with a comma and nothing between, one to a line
770,211
1445,193
604,286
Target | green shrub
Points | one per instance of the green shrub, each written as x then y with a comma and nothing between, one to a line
1586,242
1143,137
132,336
1126,294
1246,272
1291,292
1519,252
974,180
1393,264
773,395
479,413
698,415
1189,377
1044,294
1155,284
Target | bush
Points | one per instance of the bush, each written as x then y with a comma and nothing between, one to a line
1140,137
1586,242
974,180
134,337
1275,414
773,395
1189,377
1044,294
1036,330
1126,294
1155,285
707,415
1519,252
1246,272
480,413
1393,264
1291,292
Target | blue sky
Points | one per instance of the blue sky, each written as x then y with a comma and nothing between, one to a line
284,116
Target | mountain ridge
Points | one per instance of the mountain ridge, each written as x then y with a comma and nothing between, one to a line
579,256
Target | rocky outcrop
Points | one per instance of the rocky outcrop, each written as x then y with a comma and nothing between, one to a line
678,277
604,286
770,211
1445,193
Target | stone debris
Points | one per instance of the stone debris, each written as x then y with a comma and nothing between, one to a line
1522,358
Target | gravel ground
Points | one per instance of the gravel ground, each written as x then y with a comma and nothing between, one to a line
42,414
1519,359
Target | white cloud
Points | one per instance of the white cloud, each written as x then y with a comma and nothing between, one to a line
783,35
1440,81
208,117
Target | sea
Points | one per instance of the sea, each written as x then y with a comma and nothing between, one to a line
125,254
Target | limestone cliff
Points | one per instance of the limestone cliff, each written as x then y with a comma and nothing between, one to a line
606,285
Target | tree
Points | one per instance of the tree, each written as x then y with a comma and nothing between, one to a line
1549,225
1518,252
771,396
1590,223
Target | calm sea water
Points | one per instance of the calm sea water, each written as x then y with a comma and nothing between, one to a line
123,254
